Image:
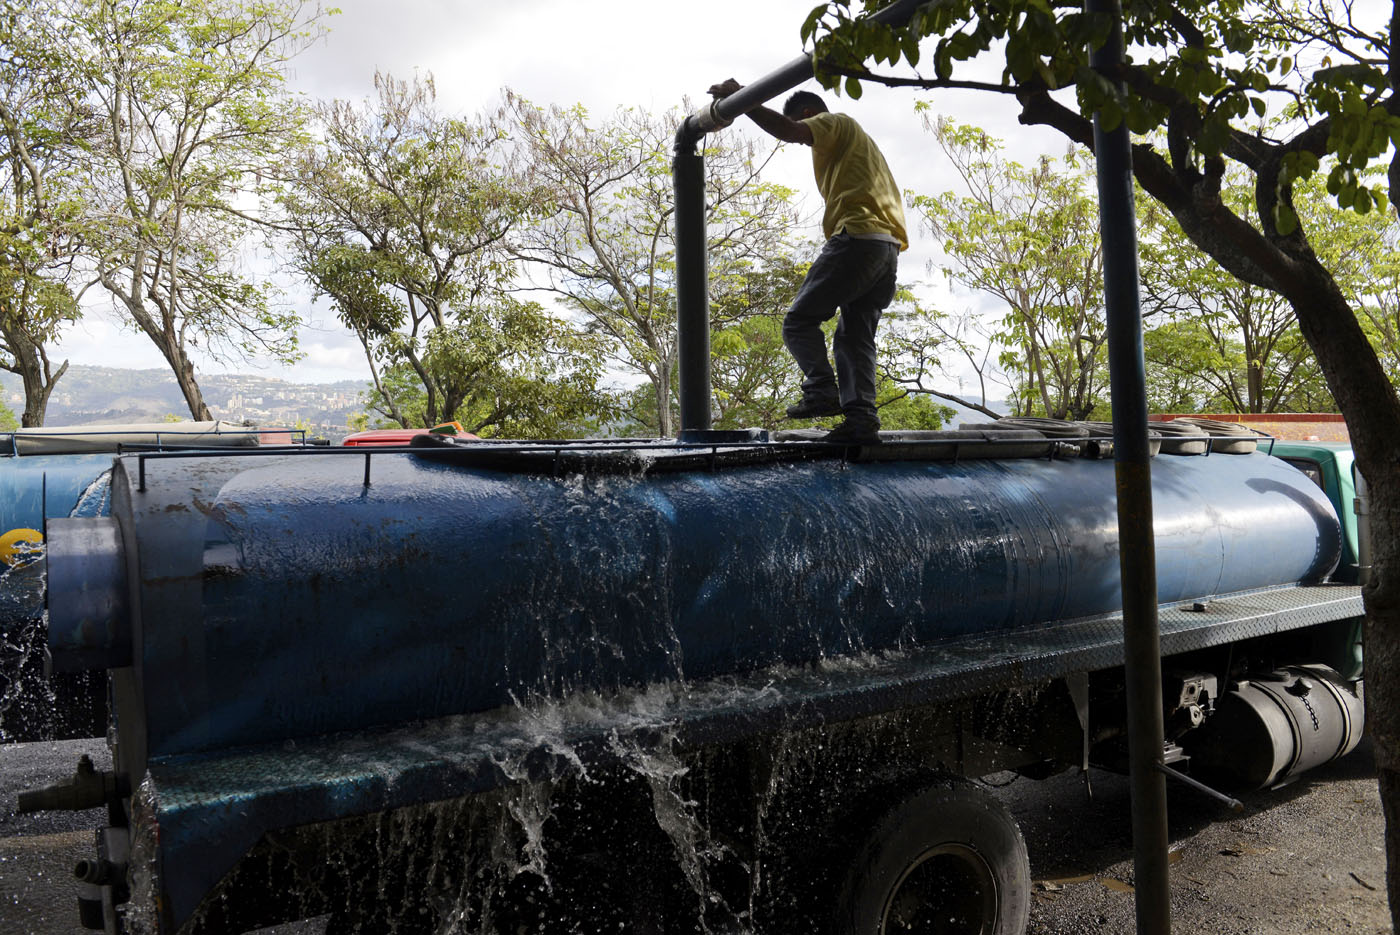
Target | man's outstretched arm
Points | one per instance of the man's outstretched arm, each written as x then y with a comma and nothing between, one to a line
769,120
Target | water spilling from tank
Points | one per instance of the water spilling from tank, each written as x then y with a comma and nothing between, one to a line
28,703
627,829
96,498
143,871
33,704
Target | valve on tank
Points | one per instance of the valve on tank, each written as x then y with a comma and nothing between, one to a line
1271,727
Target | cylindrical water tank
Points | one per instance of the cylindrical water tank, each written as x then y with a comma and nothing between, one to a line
287,598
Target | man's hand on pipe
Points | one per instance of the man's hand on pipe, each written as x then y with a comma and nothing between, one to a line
725,88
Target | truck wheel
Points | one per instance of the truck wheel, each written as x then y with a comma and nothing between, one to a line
948,859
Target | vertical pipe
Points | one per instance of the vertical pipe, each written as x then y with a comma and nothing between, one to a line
692,282
1132,470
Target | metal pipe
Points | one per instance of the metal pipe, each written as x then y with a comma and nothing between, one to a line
688,176
722,113
1230,802
692,291
1133,474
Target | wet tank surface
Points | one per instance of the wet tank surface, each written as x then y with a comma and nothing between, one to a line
1306,859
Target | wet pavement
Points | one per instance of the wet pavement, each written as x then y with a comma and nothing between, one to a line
37,852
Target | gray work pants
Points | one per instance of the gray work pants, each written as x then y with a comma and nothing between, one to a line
858,276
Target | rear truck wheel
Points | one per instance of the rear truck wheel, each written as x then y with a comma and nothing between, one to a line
948,859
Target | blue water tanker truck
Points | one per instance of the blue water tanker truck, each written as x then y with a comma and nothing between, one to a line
737,683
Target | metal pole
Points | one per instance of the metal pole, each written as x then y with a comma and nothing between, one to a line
688,179
692,287
1137,555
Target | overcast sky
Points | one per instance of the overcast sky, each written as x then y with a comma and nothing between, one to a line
605,54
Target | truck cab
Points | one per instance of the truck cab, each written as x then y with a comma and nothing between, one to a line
1332,467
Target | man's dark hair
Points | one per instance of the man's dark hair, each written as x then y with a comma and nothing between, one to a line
802,99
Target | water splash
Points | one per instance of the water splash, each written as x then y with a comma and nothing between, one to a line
676,815
143,871
28,701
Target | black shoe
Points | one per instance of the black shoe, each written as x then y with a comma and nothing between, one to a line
815,407
853,433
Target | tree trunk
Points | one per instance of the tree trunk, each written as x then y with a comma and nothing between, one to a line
31,364
1372,411
184,375
36,393
662,387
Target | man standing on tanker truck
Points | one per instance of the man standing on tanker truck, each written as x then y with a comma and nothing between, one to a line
864,226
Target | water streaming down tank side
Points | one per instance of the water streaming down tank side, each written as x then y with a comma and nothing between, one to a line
545,855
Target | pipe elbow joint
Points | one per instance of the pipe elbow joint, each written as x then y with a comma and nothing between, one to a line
705,120
688,136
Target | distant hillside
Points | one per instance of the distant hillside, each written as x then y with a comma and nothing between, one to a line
96,395
962,414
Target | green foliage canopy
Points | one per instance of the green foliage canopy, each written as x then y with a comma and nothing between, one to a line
401,214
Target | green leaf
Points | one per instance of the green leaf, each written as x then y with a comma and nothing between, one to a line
1110,116
910,44
1140,120
942,63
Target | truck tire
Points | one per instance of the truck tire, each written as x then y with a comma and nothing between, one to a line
948,859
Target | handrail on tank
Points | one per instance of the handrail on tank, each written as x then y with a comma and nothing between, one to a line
688,180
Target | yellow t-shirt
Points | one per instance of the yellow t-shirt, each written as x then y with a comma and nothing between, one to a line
855,182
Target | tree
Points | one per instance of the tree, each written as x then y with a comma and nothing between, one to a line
1207,75
606,245
1019,235
1238,340
1361,252
42,132
399,216
508,370
752,374
189,97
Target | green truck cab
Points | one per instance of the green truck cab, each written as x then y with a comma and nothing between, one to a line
1332,467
